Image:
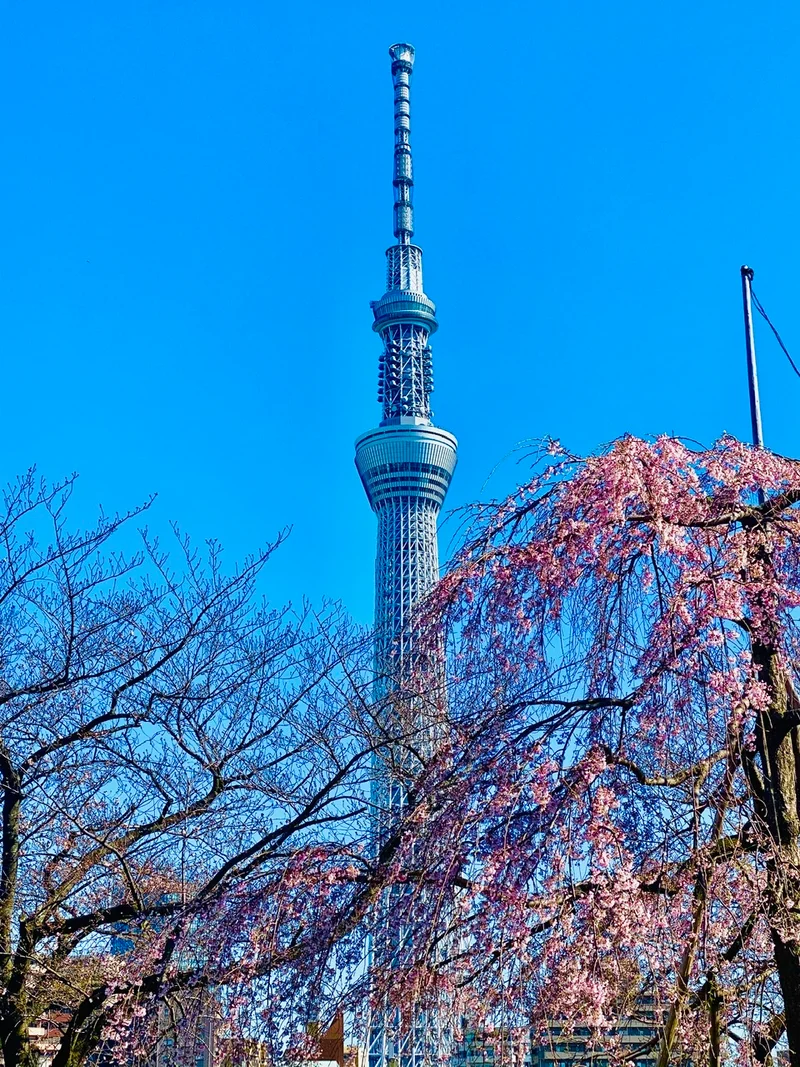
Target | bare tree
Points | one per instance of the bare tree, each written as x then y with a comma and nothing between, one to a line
184,775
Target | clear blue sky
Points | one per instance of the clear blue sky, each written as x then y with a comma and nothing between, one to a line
197,198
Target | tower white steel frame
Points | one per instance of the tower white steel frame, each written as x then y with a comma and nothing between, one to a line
406,465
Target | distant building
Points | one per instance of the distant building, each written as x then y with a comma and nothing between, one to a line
574,1046
635,1034
490,1048
330,1042
186,1033
187,1023
563,1045
45,1035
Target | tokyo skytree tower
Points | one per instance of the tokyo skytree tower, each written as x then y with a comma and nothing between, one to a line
405,465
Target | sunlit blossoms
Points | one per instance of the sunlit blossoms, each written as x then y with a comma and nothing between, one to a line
615,823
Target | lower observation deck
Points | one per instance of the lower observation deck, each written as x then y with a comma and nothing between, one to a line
406,460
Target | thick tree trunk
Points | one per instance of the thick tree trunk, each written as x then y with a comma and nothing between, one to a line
15,1006
779,807
15,1042
9,859
84,1032
787,959
765,1040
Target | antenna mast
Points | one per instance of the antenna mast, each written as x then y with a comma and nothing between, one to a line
752,370
402,65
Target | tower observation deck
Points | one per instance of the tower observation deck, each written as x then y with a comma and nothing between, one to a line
406,465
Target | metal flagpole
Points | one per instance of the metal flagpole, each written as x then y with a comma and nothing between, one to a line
752,372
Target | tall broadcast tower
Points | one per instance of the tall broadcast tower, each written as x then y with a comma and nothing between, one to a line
406,465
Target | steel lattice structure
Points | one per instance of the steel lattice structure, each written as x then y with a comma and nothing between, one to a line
406,465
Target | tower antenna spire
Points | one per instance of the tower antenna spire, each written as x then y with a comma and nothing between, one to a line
402,65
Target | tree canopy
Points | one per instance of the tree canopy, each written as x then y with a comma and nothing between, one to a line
615,818
185,777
